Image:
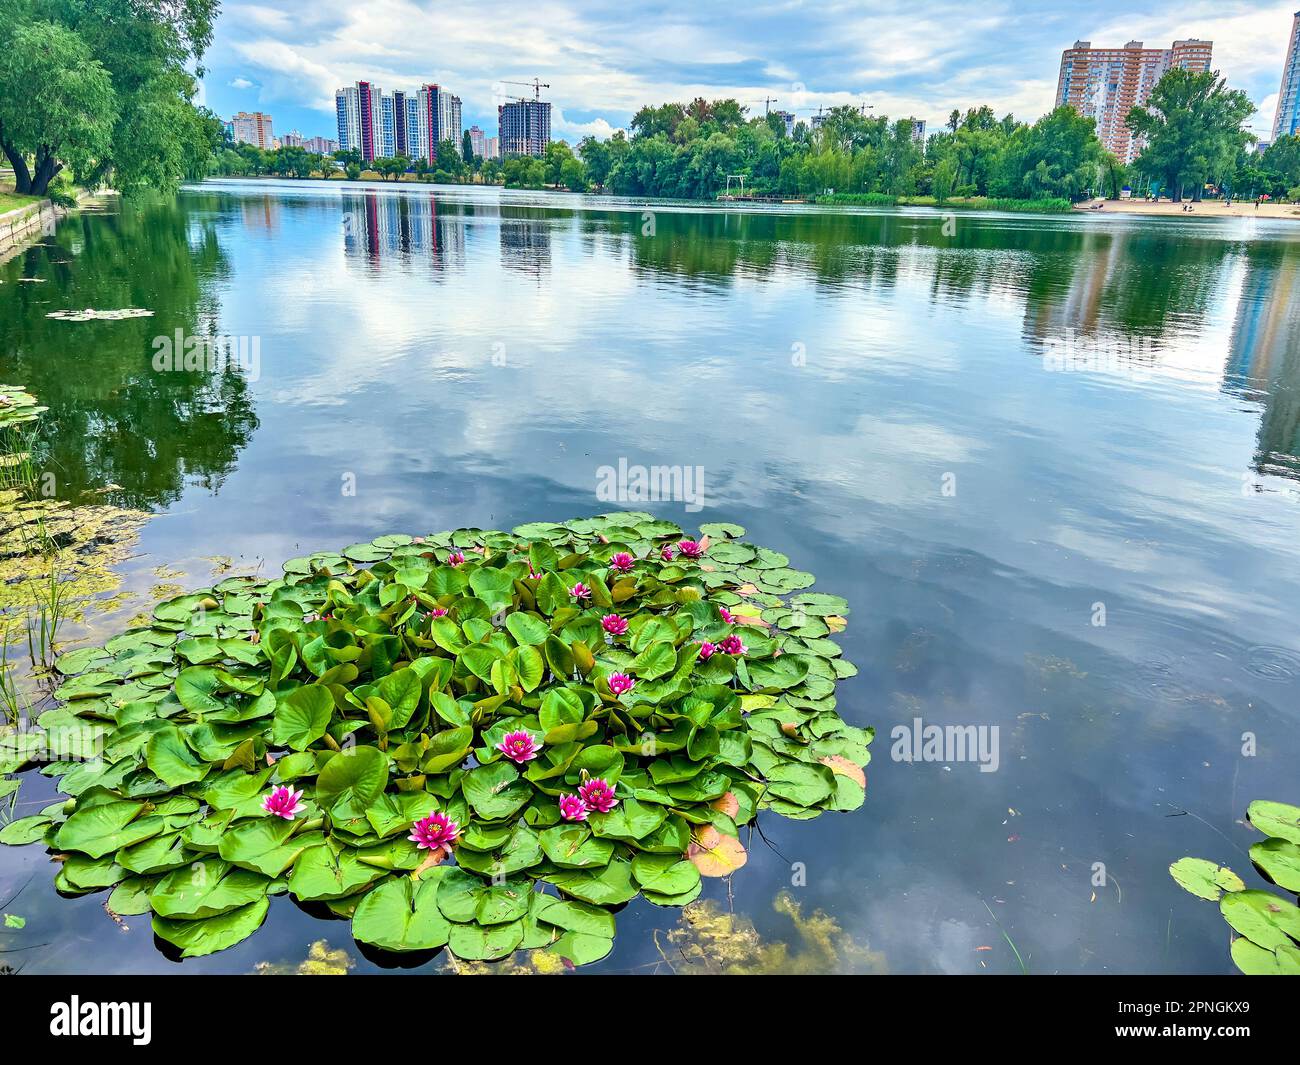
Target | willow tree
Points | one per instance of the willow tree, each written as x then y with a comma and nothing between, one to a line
1192,125
103,88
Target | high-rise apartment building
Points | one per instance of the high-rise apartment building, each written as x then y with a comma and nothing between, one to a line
253,127
449,117
492,148
360,113
1287,120
438,120
400,123
388,126
1106,83
406,124
477,141
525,127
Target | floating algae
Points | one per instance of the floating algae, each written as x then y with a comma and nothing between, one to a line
320,961
708,939
89,314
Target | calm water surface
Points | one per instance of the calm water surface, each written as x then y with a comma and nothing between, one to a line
984,440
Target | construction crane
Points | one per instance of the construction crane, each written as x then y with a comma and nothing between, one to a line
537,84
767,101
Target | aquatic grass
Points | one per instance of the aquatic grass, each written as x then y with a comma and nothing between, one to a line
418,733
12,704
1024,969
53,605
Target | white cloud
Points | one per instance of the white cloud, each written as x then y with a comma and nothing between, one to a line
290,75
241,83
608,59
575,131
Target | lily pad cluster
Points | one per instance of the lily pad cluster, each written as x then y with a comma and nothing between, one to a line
17,407
339,734
1268,926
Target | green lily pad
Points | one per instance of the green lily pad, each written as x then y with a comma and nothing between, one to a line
197,938
402,915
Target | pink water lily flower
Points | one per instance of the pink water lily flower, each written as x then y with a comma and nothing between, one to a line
438,612
613,624
572,808
519,746
620,683
598,796
727,616
668,552
707,650
455,558
435,832
283,802
580,591
532,575
690,549
731,645
621,561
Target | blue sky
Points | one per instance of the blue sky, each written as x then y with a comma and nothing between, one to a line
605,59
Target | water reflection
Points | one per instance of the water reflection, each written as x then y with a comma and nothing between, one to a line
114,420
381,228
1263,363
829,371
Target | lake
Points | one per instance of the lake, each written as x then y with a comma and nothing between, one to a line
1053,463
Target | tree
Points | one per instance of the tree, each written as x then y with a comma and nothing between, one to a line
524,172
56,103
1280,165
945,177
573,175
292,161
448,157
467,149
103,88
601,157
1057,157
1192,125
557,157
391,167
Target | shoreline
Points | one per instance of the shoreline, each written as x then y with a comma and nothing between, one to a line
1204,209
1128,208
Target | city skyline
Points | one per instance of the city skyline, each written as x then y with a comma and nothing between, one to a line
905,60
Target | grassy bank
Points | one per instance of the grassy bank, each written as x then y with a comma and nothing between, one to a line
11,201
973,203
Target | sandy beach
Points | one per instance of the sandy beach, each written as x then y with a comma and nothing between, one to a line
1204,209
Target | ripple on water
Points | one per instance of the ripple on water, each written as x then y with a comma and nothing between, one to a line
1175,660
1278,664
